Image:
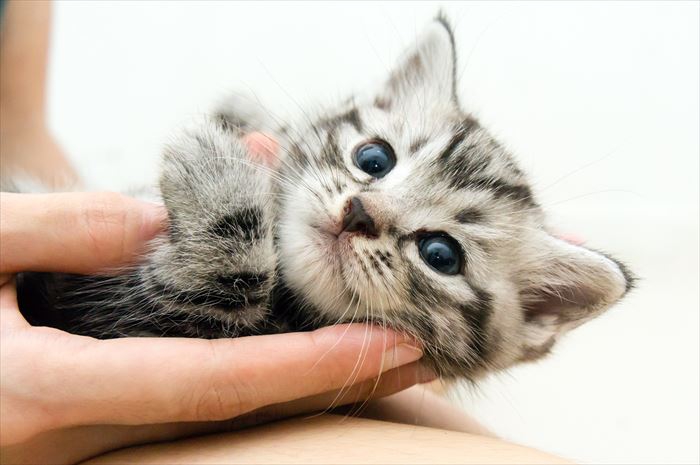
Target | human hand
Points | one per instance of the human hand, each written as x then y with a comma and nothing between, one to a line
65,398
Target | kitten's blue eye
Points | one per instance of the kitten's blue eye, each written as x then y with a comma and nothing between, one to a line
375,158
442,253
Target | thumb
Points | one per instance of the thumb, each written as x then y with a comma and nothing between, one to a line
73,232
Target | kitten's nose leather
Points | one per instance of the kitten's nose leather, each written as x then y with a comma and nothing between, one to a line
357,219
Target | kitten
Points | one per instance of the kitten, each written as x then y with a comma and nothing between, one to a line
398,209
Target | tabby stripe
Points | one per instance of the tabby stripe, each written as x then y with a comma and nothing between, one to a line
229,122
455,142
500,188
352,117
382,103
245,280
463,129
417,145
478,314
235,300
469,215
244,223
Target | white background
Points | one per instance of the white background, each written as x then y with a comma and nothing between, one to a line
599,102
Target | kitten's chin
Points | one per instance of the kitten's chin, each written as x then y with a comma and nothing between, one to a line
311,260
320,265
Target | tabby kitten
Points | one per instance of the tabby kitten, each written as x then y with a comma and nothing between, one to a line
397,208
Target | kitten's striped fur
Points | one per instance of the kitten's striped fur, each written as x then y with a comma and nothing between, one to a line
250,249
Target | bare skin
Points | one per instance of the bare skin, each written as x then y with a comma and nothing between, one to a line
26,146
333,439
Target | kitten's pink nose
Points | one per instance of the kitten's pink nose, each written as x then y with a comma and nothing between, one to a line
357,219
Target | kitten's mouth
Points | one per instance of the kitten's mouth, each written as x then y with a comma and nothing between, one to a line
334,239
338,247
337,239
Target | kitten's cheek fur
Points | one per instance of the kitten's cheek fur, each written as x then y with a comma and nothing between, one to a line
246,252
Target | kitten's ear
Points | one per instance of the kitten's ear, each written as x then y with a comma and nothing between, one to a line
426,74
562,287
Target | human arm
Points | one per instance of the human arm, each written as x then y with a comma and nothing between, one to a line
333,439
26,144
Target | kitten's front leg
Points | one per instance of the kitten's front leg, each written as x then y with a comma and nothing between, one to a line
218,260
209,275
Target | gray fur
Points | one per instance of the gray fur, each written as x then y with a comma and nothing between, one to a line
252,249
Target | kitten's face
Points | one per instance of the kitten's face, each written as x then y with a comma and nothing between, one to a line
402,210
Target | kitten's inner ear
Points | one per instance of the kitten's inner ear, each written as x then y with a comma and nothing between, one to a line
426,74
565,285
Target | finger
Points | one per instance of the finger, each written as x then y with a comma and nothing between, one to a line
79,443
10,316
263,148
6,278
386,384
574,239
73,232
421,406
147,380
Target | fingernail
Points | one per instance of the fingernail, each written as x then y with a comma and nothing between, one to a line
400,355
425,375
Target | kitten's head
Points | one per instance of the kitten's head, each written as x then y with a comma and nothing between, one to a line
402,210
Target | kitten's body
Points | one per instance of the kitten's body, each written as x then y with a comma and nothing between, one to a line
252,249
